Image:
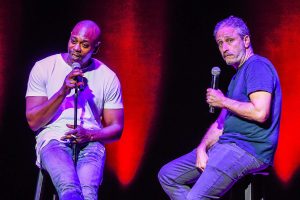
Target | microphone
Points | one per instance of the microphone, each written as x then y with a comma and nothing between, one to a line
79,79
215,72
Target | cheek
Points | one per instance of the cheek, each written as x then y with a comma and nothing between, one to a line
70,47
86,54
236,49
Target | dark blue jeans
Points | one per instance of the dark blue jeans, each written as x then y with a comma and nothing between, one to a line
74,182
226,164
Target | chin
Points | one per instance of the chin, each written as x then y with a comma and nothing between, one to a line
76,60
230,61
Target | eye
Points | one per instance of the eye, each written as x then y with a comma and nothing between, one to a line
220,44
85,45
73,40
229,40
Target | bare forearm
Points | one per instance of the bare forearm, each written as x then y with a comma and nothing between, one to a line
210,137
257,109
108,134
41,114
245,110
214,132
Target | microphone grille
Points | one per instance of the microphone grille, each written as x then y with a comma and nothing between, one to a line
215,71
75,65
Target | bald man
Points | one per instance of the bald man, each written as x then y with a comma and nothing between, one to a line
50,113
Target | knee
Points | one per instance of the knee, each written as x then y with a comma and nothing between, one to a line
70,191
90,192
163,174
71,195
189,197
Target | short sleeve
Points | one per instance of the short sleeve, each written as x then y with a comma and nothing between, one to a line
259,77
36,85
113,96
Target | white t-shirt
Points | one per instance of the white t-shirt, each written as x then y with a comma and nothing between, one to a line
102,91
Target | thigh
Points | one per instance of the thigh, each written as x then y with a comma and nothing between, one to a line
182,170
226,164
234,161
90,166
56,159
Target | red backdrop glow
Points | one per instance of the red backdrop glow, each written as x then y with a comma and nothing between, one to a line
282,45
134,42
133,38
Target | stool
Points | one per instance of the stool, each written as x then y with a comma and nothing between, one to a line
249,187
45,189
252,192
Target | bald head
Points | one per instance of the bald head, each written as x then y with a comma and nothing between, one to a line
88,29
84,41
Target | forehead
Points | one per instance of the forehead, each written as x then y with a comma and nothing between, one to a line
226,31
84,33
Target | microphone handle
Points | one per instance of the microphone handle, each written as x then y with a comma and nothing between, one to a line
79,79
214,85
211,109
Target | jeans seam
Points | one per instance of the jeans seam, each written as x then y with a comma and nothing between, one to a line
175,179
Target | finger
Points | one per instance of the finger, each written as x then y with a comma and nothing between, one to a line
76,73
198,165
69,136
71,132
70,126
74,141
202,166
80,83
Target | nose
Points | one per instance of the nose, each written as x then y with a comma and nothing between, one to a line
224,47
77,47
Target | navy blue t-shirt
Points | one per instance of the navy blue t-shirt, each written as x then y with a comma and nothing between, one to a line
259,139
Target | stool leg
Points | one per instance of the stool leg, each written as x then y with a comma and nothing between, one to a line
43,182
248,192
39,186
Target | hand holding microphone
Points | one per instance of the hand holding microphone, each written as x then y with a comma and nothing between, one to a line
215,72
79,79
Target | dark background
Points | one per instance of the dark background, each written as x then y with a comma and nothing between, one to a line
35,29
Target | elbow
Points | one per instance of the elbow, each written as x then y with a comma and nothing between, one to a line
33,126
119,133
32,123
262,117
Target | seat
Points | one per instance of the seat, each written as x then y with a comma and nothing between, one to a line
250,187
254,190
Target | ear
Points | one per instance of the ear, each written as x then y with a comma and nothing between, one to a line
96,48
247,41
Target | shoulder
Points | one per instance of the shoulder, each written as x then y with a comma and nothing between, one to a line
45,66
49,59
103,68
260,60
258,63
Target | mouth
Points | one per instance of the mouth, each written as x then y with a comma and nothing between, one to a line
228,56
76,56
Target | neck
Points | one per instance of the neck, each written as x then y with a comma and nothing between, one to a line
69,61
244,59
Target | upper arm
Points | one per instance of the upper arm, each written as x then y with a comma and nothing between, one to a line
33,101
113,116
261,100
